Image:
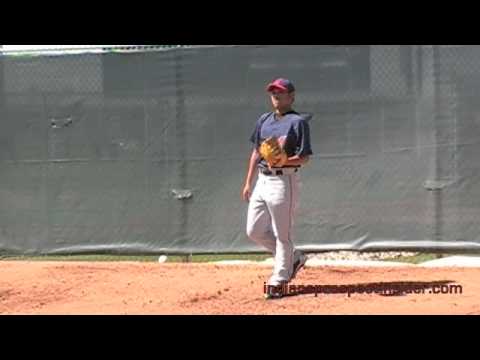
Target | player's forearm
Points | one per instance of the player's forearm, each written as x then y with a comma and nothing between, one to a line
252,166
297,161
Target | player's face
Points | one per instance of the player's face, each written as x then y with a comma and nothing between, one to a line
281,99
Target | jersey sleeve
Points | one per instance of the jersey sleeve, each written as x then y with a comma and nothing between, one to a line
304,147
255,136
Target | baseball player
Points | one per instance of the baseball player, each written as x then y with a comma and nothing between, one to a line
281,146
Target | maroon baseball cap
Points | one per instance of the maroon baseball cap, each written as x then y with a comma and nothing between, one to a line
281,84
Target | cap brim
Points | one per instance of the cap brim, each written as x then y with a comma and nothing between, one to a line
272,87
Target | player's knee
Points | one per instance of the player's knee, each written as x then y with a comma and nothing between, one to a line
254,234
251,233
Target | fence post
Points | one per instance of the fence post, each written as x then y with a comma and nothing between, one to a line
183,214
438,116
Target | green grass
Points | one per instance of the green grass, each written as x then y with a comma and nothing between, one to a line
148,258
201,258
220,257
416,259
138,258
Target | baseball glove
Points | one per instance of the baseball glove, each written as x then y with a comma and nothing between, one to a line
273,153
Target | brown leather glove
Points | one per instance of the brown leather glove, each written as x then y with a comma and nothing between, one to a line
273,153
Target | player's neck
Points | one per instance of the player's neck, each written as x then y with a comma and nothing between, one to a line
280,113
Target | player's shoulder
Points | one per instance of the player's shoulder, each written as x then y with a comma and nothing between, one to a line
265,115
261,119
297,117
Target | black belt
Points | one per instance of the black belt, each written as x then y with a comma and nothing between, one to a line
274,172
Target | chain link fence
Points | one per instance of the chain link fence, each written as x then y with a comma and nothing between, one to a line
145,149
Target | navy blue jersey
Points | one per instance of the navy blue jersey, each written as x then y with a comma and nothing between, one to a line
292,131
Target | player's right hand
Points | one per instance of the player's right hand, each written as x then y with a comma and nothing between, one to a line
246,193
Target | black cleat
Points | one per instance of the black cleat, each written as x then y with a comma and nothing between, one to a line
299,264
275,292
